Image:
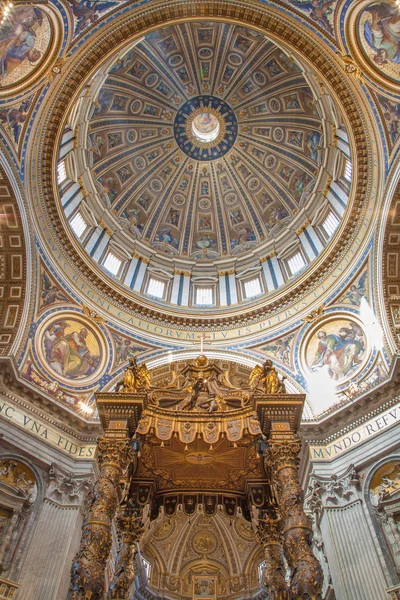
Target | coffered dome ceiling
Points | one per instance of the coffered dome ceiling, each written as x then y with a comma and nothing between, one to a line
174,189
204,142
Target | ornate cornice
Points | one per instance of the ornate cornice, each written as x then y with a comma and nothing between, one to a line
361,409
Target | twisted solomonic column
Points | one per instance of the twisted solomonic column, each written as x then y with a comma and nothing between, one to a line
130,528
269,533
87,573
306,579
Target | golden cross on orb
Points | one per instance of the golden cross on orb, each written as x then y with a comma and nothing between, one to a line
203,337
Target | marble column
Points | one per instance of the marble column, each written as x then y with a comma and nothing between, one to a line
129,528
87,574
337,505
45,570
306,573
269,533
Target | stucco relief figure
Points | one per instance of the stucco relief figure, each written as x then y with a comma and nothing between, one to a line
341,351
22,40
19,477
71,350
135,378
267,376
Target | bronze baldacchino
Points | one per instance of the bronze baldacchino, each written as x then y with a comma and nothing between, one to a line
268,377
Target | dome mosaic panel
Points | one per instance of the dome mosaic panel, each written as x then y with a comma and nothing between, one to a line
215,199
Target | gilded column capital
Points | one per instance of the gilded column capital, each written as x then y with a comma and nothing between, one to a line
284,454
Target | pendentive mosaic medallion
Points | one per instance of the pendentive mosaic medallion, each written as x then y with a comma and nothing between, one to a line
337,345
379,31
205,128
71,349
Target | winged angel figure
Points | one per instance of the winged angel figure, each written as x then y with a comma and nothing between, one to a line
135,378
267,377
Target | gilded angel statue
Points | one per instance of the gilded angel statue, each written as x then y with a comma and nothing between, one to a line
135,378
267,377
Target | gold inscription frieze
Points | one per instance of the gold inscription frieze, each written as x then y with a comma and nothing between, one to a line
32,426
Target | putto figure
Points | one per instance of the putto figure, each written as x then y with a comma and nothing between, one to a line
267,376
135,378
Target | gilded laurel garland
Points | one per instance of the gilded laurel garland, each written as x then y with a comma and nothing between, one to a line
87,575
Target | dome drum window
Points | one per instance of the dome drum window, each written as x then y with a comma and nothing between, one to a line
61,172
330,224
348,170
252,288
78,225
296,263
204,296
156,288
112,263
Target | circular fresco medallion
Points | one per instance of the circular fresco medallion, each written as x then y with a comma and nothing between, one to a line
205,53
179,199
244,529
230,199
378,31
71,349
204,203
270,161
275,105
156,185
25,40
235,59
136,107
204,542
253,183
338,345
151,80
175,60
140,163
205,128
132,136
277,134
259,78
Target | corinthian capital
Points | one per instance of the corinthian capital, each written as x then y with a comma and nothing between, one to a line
114,452
283,454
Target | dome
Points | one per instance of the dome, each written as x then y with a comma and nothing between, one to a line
205,154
